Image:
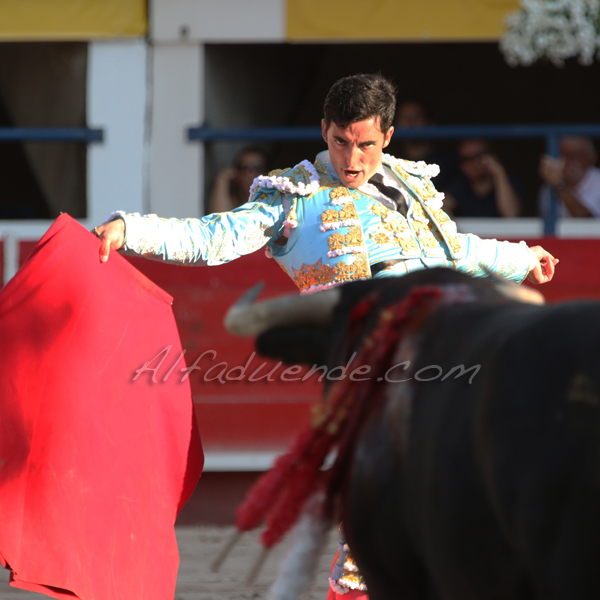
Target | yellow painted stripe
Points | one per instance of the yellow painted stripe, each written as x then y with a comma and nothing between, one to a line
397,20
72,19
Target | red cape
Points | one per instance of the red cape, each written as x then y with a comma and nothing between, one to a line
94,466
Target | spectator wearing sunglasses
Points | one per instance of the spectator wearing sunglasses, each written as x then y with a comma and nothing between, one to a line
232,184
483,188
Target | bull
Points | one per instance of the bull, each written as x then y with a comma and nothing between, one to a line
467,488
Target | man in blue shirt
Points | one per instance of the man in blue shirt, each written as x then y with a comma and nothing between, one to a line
354,213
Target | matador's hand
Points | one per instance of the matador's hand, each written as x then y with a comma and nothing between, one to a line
542,267
112,236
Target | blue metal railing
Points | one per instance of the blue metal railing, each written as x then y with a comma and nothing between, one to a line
551,133
51,134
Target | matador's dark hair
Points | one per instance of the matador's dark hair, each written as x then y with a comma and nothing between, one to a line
361,97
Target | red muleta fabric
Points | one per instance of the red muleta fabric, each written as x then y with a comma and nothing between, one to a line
94,466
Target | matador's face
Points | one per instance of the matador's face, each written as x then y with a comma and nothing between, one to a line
355,151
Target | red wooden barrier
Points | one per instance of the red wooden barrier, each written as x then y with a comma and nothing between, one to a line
578,273
264,415
233,415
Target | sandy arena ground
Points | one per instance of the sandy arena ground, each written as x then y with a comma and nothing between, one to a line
198,546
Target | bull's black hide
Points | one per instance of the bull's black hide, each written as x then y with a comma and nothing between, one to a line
497,494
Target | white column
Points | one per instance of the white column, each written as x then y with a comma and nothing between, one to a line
117,101
176,164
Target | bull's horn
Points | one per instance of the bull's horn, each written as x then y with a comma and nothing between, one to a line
521,293
515,292
245,319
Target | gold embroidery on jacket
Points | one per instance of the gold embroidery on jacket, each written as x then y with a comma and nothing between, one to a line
381,238
321,274
338,241
442,218
339,192
329,216
379,209
255,239
325,178
433,243
219,249
347,212
397,227
278,172
424,228
351,576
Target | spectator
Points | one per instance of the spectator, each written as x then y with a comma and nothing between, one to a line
483,188
232,184
573,177
414,114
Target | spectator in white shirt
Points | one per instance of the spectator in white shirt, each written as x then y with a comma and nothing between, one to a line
574,179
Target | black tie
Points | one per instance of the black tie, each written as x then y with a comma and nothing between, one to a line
390,192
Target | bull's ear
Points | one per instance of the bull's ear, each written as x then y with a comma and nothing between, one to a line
247,318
